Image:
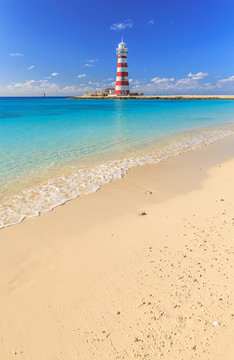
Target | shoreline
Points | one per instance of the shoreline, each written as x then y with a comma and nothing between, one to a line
51,192
155,97
94,279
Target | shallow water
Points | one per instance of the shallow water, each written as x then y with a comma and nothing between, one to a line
54,149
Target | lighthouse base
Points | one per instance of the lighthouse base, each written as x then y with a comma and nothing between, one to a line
122,92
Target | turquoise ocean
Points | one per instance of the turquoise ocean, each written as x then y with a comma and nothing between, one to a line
55,149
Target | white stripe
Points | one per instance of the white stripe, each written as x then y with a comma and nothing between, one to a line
122,69
122,61
122,87
121,78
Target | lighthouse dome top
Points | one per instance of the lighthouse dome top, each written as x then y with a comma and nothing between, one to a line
122,45
122,48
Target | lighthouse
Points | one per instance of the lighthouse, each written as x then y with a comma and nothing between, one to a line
122,84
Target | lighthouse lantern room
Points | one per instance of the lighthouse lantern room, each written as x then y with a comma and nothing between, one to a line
122,83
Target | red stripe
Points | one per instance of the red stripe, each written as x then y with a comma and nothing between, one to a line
122,57
122,65
122,82
121,92
122,73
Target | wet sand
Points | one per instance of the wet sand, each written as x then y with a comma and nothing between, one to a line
142,269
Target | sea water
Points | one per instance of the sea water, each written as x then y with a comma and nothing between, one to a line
55,149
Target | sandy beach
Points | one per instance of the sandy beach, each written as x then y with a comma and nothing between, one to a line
142,269
156,97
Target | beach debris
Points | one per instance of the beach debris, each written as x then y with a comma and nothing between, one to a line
118,313
221,199
143,213
216,323
149,192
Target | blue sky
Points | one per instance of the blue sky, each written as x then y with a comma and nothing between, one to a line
68,47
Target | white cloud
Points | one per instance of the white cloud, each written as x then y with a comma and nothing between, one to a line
54,74
158,80
150,22
93,83
88,65
92,60
109,79
200,75
31,67
81,76
123,25
15,54
227,80
27,83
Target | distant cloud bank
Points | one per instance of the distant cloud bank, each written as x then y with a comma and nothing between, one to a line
192,83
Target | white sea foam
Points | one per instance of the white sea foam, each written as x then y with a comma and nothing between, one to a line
55,192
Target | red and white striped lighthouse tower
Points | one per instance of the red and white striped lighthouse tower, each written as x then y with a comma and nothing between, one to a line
122,84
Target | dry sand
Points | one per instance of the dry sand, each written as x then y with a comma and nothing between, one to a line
95,280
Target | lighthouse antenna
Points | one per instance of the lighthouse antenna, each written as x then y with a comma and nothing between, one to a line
122,38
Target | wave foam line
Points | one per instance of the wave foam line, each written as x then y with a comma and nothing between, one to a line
58,191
